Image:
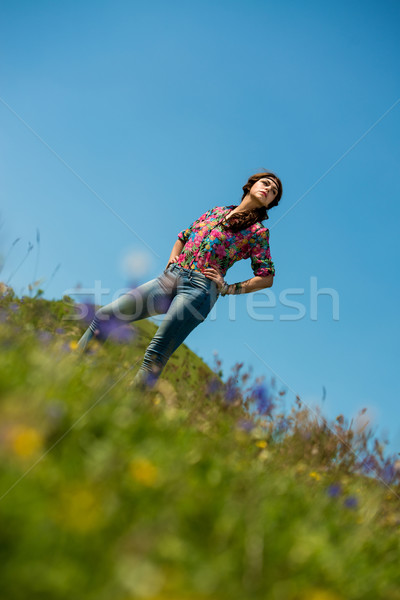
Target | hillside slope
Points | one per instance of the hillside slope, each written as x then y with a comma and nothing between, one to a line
179,493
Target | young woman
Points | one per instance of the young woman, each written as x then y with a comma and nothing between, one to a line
193,279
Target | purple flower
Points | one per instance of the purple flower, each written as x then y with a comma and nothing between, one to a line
245,424
230,392
351,502
44,336
369,463
86,311
122,334
149,379
264,404
388,473
283,424
106,325
14,306
60,330
213,386
334,490
113,328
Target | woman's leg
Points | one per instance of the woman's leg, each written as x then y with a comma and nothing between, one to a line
149,299
190,307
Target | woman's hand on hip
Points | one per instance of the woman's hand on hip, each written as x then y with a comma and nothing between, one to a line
215,275
172,260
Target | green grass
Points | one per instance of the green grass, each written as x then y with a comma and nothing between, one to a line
179,493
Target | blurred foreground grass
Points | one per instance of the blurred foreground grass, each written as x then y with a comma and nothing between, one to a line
194,490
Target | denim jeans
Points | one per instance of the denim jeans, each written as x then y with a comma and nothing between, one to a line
185,297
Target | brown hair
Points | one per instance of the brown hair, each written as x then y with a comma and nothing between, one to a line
246,218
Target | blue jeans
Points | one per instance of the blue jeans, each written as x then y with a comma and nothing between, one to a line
185,297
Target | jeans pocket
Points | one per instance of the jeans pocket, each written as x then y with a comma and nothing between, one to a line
168,280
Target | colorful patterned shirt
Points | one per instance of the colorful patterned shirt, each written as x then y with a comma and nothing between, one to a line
208,244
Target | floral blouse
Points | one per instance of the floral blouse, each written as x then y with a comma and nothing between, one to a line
208,244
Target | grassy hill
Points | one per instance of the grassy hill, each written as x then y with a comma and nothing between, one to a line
196,490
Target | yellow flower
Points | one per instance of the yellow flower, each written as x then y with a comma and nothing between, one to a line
261,444
144,471
78,508
319,594
25,441
73,345
315,475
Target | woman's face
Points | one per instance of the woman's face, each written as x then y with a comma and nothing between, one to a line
264,190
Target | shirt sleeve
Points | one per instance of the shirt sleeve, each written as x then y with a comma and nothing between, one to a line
184,235
260,255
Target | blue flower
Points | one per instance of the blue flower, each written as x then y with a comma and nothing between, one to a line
388,473
369,463
334,490
264,404
351,502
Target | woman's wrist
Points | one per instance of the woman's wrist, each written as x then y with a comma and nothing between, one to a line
233,288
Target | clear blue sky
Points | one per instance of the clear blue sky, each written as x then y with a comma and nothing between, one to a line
122,122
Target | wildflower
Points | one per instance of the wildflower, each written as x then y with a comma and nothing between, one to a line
213,386
315,475
73,345
44,336
264,404
231,391
25,441
388,472
4,289
351,502
123,334
369,463
261,444
245,424
320,594
283,424
334,490
78,508
144,471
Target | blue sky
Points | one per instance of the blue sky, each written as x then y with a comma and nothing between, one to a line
122,122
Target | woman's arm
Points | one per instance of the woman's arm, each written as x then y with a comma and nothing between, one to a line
250,285
244,287
175,252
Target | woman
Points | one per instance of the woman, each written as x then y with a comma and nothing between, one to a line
193,279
